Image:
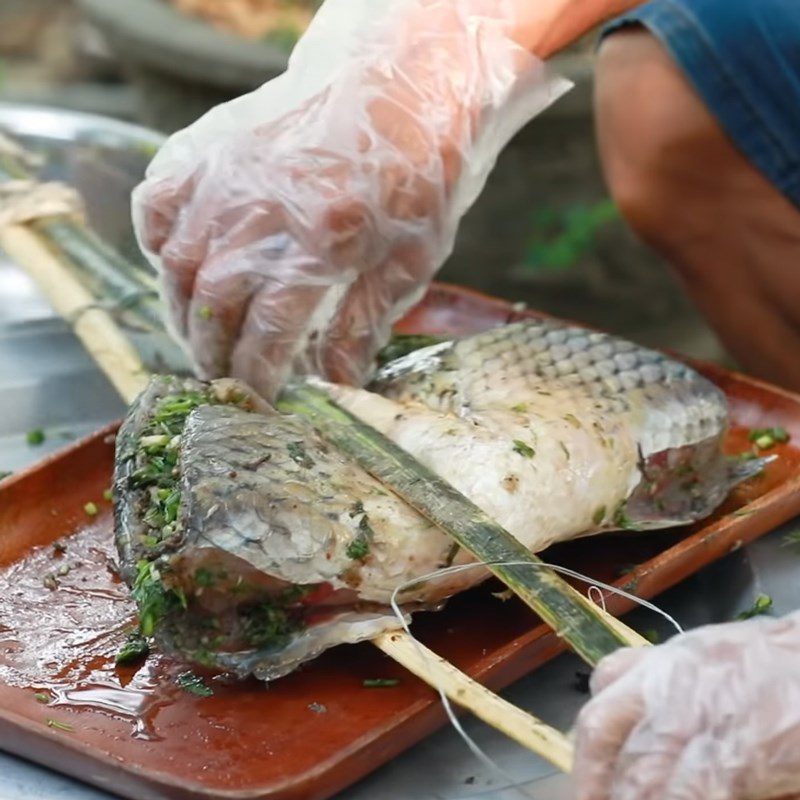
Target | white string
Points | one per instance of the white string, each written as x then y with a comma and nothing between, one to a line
595,586
595,594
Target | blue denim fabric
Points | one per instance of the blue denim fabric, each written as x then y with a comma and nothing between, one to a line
743,59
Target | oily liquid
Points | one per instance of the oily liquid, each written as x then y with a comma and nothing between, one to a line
63,617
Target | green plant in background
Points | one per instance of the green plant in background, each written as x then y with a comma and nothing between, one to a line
562,237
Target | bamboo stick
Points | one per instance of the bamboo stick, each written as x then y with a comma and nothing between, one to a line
112,352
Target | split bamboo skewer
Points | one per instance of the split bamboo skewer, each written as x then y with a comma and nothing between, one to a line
120,362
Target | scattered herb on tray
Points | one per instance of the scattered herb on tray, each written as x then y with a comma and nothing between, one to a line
133,651
764,438
91,509
107,495
35,437
762,605
193,684
60,726
42,697
380,683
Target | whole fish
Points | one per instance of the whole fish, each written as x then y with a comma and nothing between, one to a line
252,545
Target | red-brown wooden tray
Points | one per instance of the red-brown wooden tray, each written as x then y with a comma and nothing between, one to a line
132,731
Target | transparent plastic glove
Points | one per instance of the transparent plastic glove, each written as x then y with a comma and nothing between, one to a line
710,715
294,225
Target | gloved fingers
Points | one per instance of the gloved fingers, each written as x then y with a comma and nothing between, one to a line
283,324
614,666
603,728
160,202
375,301
702,771
647,774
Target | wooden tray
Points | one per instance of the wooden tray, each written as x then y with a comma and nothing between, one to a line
132,731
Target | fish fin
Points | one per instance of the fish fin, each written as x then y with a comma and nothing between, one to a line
740,470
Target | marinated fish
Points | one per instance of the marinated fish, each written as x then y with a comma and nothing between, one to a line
252,545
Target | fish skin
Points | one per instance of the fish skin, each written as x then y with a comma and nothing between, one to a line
541,424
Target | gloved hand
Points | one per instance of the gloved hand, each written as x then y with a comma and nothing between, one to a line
294,225
711,715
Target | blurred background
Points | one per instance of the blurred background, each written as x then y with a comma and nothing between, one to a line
543,233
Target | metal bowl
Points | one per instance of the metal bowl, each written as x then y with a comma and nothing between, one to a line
46,379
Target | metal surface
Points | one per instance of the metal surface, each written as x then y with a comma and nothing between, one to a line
47,381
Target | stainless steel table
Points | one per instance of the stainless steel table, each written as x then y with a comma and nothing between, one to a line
48,382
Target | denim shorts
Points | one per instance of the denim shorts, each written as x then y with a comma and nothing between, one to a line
743,59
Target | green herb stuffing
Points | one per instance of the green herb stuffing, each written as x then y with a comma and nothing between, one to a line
762,605
621,518
403,344
526,451
380,683
764,438
269,624
35,437
359,548
155,600
134,650
193,684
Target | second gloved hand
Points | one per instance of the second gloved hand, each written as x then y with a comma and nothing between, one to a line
711,715
293,226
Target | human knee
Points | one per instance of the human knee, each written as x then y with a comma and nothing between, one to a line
651,129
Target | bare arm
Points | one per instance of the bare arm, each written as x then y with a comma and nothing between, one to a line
546,26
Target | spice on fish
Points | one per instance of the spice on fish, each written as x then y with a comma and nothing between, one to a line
298,454
525,450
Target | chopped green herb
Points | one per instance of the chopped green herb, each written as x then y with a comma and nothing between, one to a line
599,515
193,684
107,495
50,582
134,650
762,605
573,420
42,697
35,437
520,408
269,624
5,474
743,512
91,509
155,601
358,549
791,539
380,683
652,636
403,344
621,518
764,438
297,453
205,312
526,451
59,726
